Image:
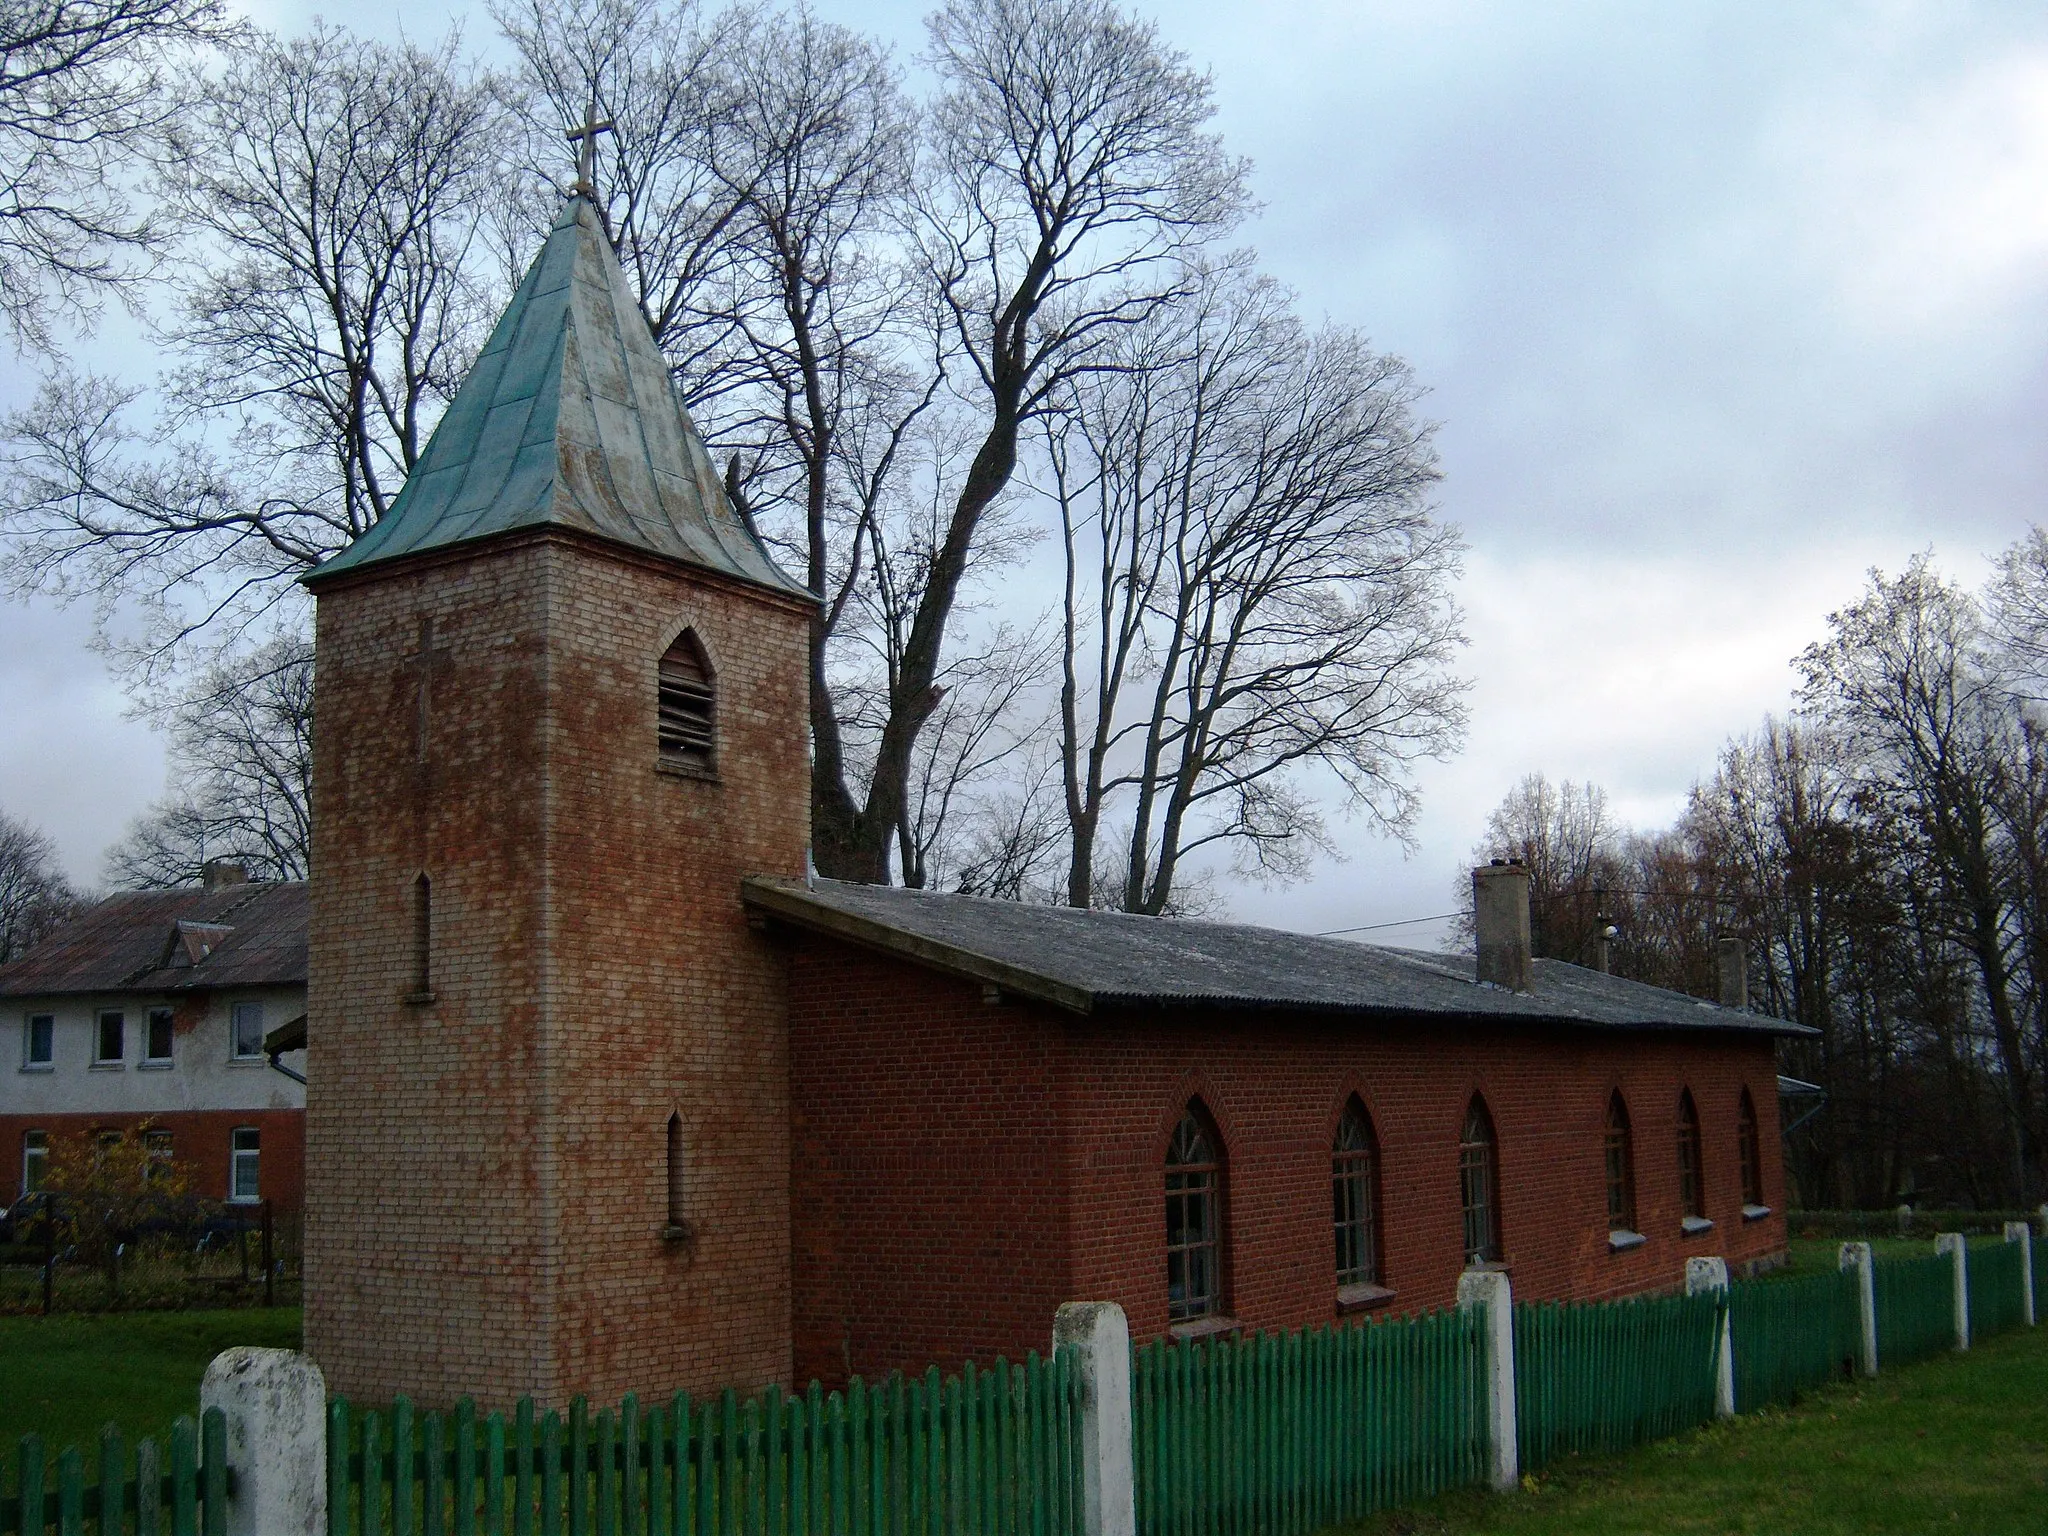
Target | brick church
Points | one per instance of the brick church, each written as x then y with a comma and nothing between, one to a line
608,1096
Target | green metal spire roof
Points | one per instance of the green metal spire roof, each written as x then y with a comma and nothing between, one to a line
568,420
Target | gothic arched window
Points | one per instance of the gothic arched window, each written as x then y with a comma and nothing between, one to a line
1355,1198
1750,1150
1621,1167
1479,1185
1692,1197
686,699
1194,1218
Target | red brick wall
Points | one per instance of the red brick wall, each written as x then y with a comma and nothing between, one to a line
962,1168
200,1142
487,1180
928,1192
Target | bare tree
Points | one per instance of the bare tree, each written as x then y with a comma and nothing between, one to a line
34,895
1256,602
241,760
1578,858
85,88
331,303
1069,176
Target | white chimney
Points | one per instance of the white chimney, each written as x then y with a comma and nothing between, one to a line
1731,956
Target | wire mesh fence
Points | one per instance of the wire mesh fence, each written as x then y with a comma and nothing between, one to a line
196,1253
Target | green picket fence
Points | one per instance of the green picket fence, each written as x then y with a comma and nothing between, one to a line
1791,1335
1284,1433
984,1453
1606,1375
1997,1283
130,1491
1915,1308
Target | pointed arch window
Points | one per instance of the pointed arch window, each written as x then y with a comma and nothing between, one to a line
1479,1185
1194,1218
1621,1167
1692,1198
677,1227
1750,1150
686,697
1355,1198
422,939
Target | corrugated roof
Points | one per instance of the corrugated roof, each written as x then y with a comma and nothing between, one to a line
569,420
1091,961
185,940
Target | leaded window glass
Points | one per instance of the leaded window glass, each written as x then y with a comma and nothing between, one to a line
1194,1180
1751,1152
1692,1200
1354,1198
1621,1168
1479,1186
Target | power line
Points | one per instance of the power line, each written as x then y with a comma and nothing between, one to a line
1406,922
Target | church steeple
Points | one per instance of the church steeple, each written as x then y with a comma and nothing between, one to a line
569,420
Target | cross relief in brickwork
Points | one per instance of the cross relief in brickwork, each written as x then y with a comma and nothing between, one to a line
424,664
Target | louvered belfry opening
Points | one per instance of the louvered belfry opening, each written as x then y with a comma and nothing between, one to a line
686,726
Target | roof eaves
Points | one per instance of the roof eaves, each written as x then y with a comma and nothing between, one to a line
1750,1024
790,902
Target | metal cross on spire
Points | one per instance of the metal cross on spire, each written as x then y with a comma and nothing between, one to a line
585,140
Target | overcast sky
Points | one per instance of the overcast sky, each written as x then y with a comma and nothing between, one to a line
1718,307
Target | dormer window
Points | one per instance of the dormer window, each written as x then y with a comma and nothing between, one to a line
685,729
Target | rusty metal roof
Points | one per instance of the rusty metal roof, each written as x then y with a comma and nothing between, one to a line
1093,962
569,420
185,940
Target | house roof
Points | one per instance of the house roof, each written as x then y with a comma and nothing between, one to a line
569,420
1092,962
184,940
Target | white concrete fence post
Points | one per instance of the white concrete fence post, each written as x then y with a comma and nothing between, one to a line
1712,1275
275,1402
2041,1215
1857,1256
1486,1291
1952,1243
2023,1233
1098,1336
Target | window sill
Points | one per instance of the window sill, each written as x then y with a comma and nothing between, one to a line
1620,1240
679,770
107,1066
163,1065
1203,1327
1755,1212
423,999
1362,1298
1491,1267
244,1200
241,1061
1693,1226
37,1066
678,1232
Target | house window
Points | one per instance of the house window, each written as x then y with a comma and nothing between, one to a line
242,1164
685,701
156,1045
35,1159
1692,1200
1194,1189
1354,1198
110,1045
1751,1152
248,1030
39,1040
1479,1185
157,1144
1621,1168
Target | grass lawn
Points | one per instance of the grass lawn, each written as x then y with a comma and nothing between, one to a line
64,1377
1955,1444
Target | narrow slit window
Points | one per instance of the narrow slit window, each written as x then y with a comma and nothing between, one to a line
1692,1200
1621,1168
1751,1151
1194,1188
422,936
1479,1185
687,702
1354,1198
675,1170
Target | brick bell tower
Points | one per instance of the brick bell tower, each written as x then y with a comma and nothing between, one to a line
561,714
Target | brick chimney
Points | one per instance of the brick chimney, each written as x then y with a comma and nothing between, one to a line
1731,958
219,872
1500,919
